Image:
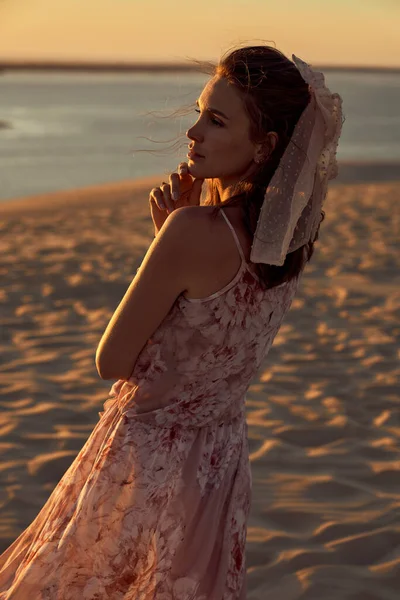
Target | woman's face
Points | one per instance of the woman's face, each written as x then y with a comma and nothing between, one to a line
222,140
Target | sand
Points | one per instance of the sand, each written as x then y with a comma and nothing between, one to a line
323,412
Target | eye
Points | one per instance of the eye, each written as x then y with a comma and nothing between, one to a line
213,120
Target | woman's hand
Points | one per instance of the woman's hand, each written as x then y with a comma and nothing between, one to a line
182,190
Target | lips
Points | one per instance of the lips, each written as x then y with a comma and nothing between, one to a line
193,151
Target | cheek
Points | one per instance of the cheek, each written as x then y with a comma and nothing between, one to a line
227,147
227,154
236,153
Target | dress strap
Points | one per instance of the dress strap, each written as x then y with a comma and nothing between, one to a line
239,247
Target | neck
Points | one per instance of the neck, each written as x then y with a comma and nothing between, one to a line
228,187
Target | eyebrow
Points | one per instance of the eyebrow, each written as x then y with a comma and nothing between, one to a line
215,111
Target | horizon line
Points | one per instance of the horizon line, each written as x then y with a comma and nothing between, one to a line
74,65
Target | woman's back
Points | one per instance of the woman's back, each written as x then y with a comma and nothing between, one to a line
208,349
224,248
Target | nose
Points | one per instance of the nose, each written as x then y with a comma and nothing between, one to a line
193,135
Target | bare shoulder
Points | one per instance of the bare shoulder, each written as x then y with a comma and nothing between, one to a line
191,233
205,231
211,257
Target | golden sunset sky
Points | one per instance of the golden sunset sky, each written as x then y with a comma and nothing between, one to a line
346,32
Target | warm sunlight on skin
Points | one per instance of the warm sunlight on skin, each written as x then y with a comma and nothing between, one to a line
223,141
336,32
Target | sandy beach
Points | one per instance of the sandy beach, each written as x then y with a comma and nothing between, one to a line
323,413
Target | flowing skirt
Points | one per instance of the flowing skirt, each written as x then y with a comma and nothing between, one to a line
142,513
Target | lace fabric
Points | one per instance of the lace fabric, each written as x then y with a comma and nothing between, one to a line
291,211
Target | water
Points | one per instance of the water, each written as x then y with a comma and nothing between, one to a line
71,130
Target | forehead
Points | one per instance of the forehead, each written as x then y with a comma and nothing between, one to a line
220,94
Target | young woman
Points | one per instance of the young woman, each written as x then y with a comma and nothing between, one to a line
155,505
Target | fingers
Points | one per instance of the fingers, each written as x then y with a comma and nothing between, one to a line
174,183
156,197
167,194
183,168
175,178
162,197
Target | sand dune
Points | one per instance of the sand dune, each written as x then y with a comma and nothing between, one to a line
323,414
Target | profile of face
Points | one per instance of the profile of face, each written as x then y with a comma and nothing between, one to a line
221,135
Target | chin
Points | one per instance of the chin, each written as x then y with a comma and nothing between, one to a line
193,167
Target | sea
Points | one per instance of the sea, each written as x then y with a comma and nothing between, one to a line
64,130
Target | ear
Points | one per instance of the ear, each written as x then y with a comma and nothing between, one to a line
265,150
272,140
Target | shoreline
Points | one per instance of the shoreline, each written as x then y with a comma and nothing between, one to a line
101,194
131,190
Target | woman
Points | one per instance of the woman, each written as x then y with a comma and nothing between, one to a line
155,505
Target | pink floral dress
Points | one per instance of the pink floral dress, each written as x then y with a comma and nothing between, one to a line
155,505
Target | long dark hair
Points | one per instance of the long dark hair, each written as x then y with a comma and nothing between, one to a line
274,97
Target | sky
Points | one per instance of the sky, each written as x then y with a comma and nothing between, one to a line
328,32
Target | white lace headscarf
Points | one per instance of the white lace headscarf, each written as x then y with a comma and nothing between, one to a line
291,211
